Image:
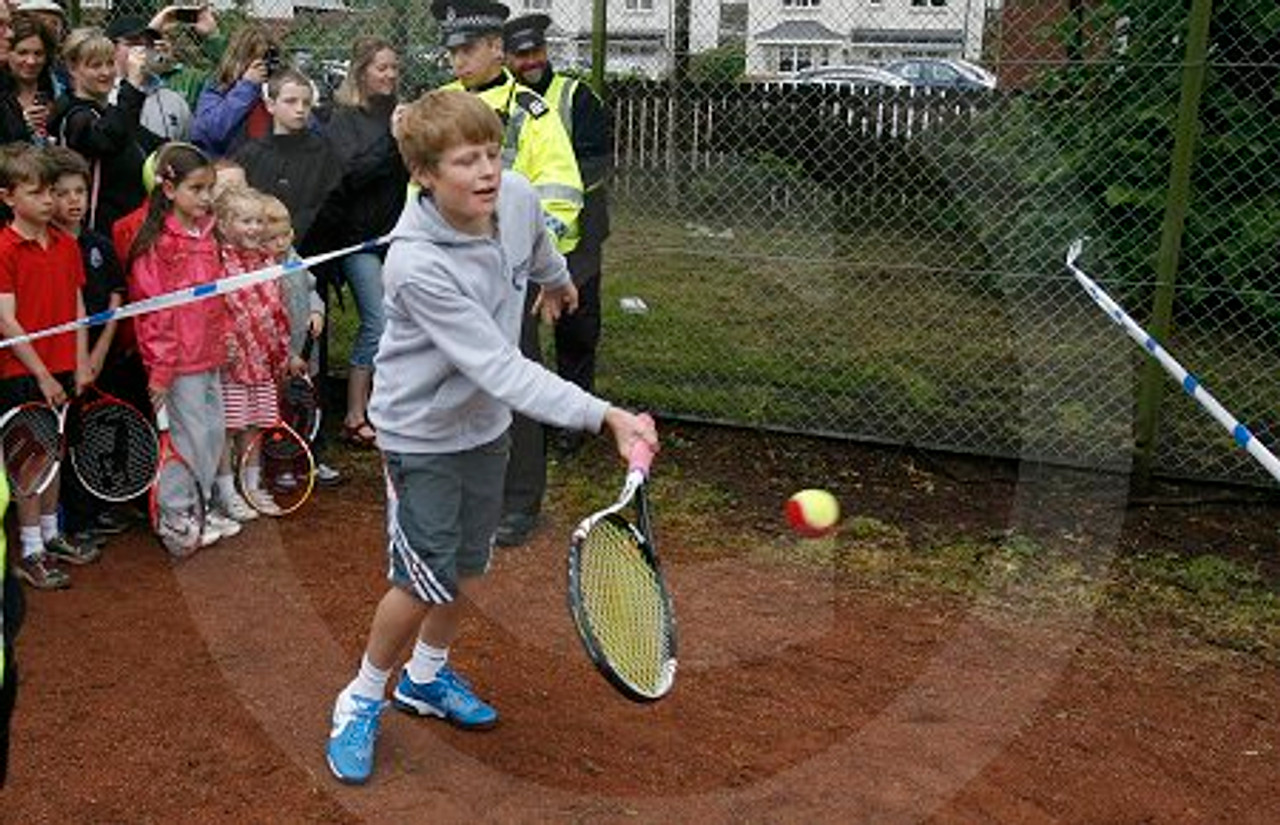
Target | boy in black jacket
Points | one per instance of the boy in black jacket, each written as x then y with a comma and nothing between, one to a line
293,163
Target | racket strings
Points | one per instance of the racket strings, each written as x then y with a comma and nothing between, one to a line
116,453
624,604
32,447
278,463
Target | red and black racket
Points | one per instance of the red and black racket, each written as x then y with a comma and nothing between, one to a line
113,448
300,400
177,501
618,596
31,436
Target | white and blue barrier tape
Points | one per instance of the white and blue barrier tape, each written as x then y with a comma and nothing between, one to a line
1190,384
191,294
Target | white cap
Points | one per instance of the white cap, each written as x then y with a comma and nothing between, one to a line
40,5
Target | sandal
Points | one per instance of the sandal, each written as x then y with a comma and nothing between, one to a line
360,435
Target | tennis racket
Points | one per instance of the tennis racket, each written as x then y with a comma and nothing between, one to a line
31,436
300,401
277,470
113,448
618,596
177,502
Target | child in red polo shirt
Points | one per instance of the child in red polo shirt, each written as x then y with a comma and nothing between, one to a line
41,276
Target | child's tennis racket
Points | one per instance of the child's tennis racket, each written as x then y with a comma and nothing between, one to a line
177,502
113,448
277,470
617,594
300,401
31,436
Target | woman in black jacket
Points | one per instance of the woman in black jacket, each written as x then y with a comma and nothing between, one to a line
373,193
26,81
107,135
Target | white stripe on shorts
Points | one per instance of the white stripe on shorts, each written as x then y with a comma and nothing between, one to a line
425,584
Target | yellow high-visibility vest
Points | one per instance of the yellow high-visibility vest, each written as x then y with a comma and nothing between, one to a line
536,145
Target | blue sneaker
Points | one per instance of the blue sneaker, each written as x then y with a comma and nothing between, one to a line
448,696
351,740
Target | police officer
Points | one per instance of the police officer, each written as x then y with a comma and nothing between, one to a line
587,122
534,140
536,145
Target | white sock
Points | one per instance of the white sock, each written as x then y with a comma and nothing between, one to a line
48,526
253,477
370,682
426,661
32,543
226,486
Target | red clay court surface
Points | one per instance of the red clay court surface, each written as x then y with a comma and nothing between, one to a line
200,691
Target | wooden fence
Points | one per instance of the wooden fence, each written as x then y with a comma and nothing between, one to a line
661,126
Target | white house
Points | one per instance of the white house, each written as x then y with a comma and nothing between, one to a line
788,35
640,32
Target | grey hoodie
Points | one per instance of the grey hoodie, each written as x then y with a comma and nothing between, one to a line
449,368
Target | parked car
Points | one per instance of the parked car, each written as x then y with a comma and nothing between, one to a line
942,73
852,75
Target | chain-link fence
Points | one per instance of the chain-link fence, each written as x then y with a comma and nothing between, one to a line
850,216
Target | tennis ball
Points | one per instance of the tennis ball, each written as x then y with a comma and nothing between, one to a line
813,513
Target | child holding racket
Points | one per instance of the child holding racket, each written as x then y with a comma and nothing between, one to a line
41,278
450,373
257,348
183,347
306,312
84,517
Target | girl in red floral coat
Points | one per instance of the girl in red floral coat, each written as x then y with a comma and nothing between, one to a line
257,342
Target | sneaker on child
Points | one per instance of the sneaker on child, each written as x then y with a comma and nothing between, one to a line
178,534
63,549
262,501
38,572
235,507
327,476
217,526
353,736
448,696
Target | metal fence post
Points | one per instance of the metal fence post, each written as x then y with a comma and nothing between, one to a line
1152,386
599,43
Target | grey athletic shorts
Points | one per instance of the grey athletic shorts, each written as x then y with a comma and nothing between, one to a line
442,511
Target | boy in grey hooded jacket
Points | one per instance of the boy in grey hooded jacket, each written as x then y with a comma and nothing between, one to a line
449,372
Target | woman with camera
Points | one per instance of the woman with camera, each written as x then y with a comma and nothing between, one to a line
26,83
231,109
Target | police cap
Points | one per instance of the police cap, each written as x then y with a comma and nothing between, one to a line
526,33
462,21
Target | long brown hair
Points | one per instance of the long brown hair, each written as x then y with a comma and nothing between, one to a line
24,25
174,162
249,43
352,90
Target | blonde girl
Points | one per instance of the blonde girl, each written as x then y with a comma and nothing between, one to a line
257,346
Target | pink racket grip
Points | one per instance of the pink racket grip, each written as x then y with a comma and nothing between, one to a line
642,453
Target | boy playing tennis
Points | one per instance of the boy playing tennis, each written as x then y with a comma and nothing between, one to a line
449,374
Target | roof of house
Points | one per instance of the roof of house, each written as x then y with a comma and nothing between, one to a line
799,31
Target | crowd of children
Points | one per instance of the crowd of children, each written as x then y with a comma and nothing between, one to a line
214,365
91,222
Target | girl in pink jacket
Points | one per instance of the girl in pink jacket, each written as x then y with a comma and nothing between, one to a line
182,347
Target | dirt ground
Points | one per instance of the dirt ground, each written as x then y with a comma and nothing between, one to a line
200,691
